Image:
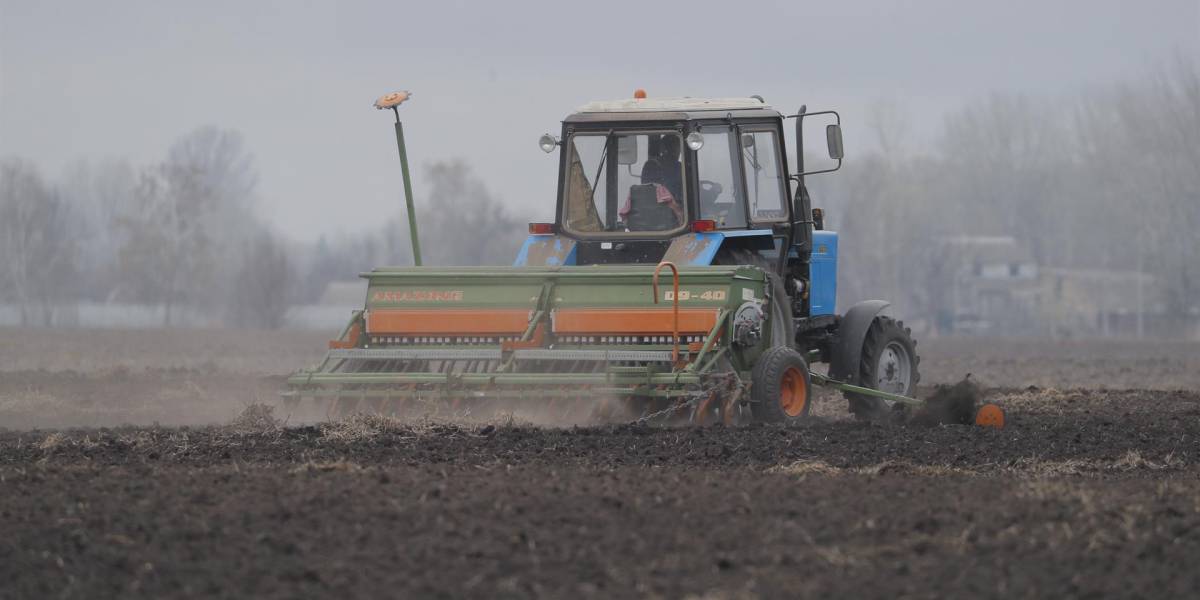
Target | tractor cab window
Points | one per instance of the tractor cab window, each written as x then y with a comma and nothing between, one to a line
765,187
624,182
720,187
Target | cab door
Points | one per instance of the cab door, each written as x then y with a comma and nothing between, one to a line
764,175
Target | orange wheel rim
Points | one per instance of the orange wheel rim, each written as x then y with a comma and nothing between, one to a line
990,415
793,393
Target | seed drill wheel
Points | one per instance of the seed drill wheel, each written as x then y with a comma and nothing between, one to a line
781,389
888,363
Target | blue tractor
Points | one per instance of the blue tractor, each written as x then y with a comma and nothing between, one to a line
706,181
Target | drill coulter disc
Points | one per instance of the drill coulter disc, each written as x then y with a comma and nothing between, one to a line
959,404
990,415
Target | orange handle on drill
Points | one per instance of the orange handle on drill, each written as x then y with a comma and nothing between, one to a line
674,304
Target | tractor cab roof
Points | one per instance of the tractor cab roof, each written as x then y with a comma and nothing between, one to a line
671,109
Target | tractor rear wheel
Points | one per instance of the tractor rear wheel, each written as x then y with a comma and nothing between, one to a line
888,363
780,391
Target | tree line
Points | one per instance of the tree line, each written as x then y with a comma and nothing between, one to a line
459,222
183,235
178,234
1107,179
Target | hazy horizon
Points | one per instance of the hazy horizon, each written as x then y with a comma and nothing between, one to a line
87,81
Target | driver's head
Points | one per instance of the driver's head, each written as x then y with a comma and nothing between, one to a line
651,172
654,145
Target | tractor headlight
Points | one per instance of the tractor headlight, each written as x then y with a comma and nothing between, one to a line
547,143
695,141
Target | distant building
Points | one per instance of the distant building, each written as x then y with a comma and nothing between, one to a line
992,285
1103,302
985,284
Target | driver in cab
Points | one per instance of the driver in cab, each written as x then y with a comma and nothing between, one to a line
649,206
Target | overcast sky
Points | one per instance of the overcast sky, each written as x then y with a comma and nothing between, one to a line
93,80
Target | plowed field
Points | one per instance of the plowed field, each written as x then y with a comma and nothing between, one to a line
1093,489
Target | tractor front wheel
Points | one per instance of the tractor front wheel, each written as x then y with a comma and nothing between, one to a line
888,363
781,389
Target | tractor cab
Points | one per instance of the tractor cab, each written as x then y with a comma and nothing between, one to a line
693,181
648,169
636,174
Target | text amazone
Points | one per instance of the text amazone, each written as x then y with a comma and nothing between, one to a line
418,296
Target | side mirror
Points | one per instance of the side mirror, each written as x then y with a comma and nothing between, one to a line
833,138
627,150
747,140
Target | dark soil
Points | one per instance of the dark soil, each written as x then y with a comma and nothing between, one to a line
1092,489
1084,494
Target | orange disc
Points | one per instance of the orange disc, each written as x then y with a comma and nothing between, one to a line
990,415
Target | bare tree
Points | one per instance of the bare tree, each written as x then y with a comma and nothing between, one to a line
38,241
167,249
461,222
191,217
1160,123
98,193
218,157
1139,151
263,284
1006,157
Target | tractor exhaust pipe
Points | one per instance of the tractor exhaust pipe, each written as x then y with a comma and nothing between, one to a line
393,101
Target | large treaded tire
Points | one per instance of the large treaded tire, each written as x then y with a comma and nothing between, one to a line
781,391
884,332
